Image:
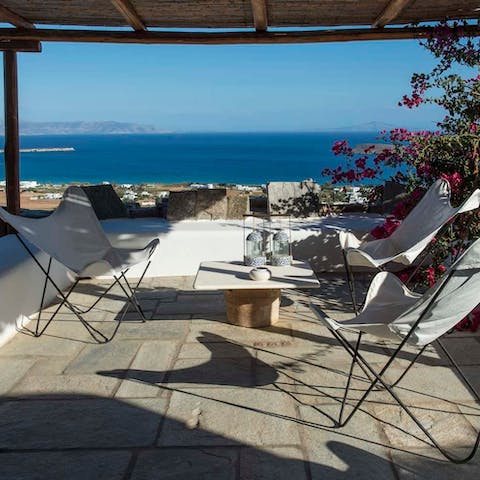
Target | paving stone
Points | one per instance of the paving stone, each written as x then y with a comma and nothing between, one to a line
49,366
153,358
193,304
357,450
270,378
12,371
148,305
67,326
465,351
172,316
158,294
110,356
421,466
213,372
322,386
182,464
53,386
290,375
279,463
86,423
437,383
471,411
208,318
220,350
260,337
171,330
68,465
255,417
432,356
443,420
45,345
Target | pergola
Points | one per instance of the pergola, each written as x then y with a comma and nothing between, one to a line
208,22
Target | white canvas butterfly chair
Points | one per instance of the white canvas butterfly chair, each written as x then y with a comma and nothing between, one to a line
73,236
410,239
393,312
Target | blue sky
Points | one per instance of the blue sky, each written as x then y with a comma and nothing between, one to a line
225,88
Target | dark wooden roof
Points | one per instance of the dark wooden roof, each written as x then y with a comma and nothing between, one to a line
237,13
259,15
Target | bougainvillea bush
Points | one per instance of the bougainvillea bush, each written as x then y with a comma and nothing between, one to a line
451,151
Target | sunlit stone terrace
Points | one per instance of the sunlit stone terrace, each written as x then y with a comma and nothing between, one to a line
187,395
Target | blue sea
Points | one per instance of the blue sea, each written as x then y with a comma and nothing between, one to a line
246,158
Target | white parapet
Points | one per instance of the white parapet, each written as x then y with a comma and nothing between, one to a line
183,246
21,285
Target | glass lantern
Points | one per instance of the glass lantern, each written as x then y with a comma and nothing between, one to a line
281,255
254,250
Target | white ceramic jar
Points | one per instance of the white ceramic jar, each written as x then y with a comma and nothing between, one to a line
260,274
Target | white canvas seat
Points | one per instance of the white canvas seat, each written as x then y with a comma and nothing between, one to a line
393,312
73,236
411,238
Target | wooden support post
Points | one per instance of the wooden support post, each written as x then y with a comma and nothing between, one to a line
12,144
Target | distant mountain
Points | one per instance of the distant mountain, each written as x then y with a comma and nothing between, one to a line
365,127
79,128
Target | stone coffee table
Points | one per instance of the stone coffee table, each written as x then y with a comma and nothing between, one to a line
252,303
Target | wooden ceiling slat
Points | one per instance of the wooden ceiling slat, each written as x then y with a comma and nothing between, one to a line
392,10
260,16
9,16
183,14
130,14
21,46
223,38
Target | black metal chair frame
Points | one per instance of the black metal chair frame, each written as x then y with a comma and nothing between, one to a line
378,379
128,290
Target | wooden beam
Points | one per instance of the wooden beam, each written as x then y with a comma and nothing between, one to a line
130,14
223,38
260,16
392,10
8,16
33,46
12,144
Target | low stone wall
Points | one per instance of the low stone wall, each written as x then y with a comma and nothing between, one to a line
207,204
298,199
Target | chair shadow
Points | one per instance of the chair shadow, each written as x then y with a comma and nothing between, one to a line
230,364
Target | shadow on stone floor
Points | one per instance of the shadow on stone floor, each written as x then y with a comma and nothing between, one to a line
92,438
80,438
230,365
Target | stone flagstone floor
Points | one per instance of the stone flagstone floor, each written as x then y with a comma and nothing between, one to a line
188,396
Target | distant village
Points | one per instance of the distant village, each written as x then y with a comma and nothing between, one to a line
44,196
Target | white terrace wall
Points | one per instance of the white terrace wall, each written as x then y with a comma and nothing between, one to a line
183,245
21,284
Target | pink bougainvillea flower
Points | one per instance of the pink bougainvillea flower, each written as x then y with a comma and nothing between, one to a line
385,230
425,169
403,276
431,276
454,179
360,162
470,322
